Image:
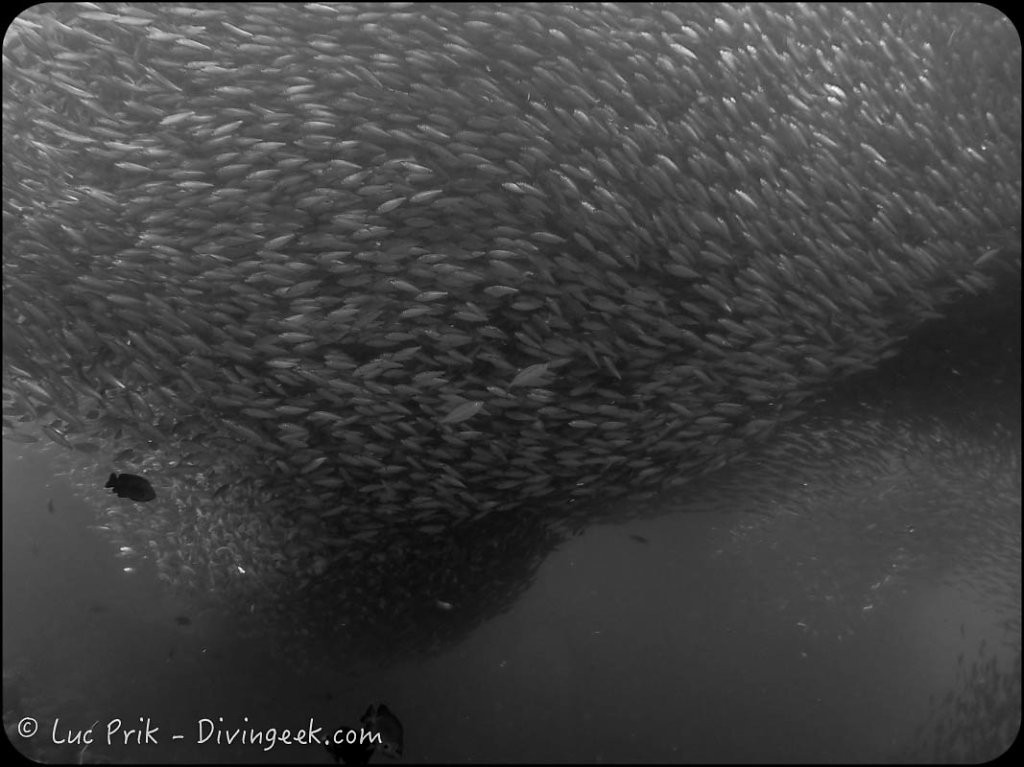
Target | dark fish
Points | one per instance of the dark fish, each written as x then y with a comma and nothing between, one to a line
388,738
350,753
183,620
49,505
639,538
131,486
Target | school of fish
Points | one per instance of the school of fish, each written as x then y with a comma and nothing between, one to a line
352,284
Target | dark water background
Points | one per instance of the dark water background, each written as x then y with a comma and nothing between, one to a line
696,644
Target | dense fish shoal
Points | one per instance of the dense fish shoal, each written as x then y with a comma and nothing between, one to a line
353,280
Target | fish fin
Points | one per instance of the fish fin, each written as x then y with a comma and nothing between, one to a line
112,481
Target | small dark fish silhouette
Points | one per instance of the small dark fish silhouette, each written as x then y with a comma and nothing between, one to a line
131,486
378,720
49,505
183,620
639,539
350,753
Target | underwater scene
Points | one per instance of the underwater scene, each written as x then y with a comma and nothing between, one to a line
511,383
